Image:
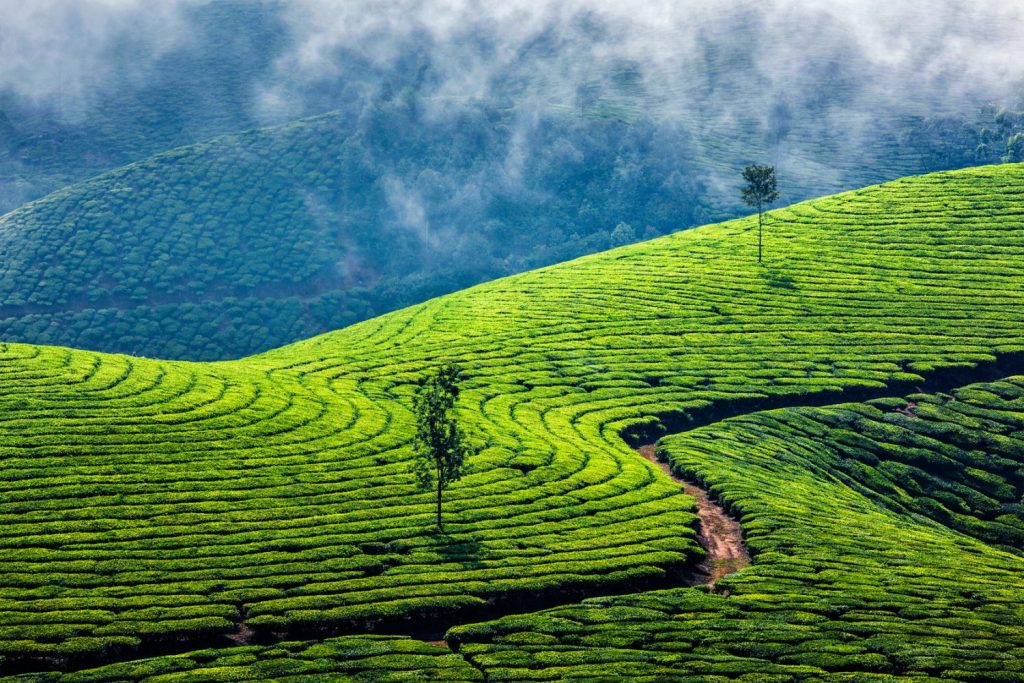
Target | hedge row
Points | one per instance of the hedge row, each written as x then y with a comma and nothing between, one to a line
858,515
158,502
383,659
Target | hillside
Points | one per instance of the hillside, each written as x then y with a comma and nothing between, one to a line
165,92
850,511
808,610
153,506
253,240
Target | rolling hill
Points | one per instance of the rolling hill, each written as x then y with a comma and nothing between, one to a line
252,240
158,506
889,538
168,221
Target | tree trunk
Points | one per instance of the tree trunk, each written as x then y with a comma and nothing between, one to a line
759,232
439,525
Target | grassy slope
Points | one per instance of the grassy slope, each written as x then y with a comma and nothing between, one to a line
898,595
148,498
850,510
252,240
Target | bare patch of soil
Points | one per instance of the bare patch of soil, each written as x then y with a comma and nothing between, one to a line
243,634
719,534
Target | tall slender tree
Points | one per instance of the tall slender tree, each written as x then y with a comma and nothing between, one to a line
759,192
440,445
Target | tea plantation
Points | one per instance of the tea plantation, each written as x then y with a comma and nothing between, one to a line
386,659
156,506
850,511
252,240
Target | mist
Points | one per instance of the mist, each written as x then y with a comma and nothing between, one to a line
781,75
66,52
917,50
433,144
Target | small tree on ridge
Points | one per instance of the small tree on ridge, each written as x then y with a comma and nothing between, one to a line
440,444
759,191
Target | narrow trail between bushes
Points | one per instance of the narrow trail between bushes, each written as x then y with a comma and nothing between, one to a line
719,534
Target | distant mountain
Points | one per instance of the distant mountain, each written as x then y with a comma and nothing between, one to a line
151,507
208,246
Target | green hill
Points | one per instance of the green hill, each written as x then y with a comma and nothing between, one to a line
152,505
860,517
252,240
892,596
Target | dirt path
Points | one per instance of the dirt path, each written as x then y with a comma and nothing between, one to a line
243,634
719,534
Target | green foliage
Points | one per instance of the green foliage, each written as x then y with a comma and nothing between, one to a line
387,659
1015,148
761,188
440,445
623,234
851,581
163,503
759,192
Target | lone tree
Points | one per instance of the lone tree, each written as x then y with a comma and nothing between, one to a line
759,192
440,444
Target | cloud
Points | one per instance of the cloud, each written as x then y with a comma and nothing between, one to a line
65,53
797,80
793,79
479,49
652,54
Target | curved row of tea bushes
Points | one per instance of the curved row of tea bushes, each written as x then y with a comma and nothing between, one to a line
165,502
856,575
845,586
381,659
147,502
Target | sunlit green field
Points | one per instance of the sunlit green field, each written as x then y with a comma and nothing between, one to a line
149,504
868,524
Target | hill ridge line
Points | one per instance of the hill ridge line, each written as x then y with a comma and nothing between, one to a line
671,423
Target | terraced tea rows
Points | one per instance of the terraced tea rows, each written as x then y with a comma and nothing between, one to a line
166,503
895,596
380,659
849,576
158,501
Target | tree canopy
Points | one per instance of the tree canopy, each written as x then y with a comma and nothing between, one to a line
760,190
440,444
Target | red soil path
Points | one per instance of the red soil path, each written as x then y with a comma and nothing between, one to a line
719,534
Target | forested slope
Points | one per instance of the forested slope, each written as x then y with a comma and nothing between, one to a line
161,504
244,242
